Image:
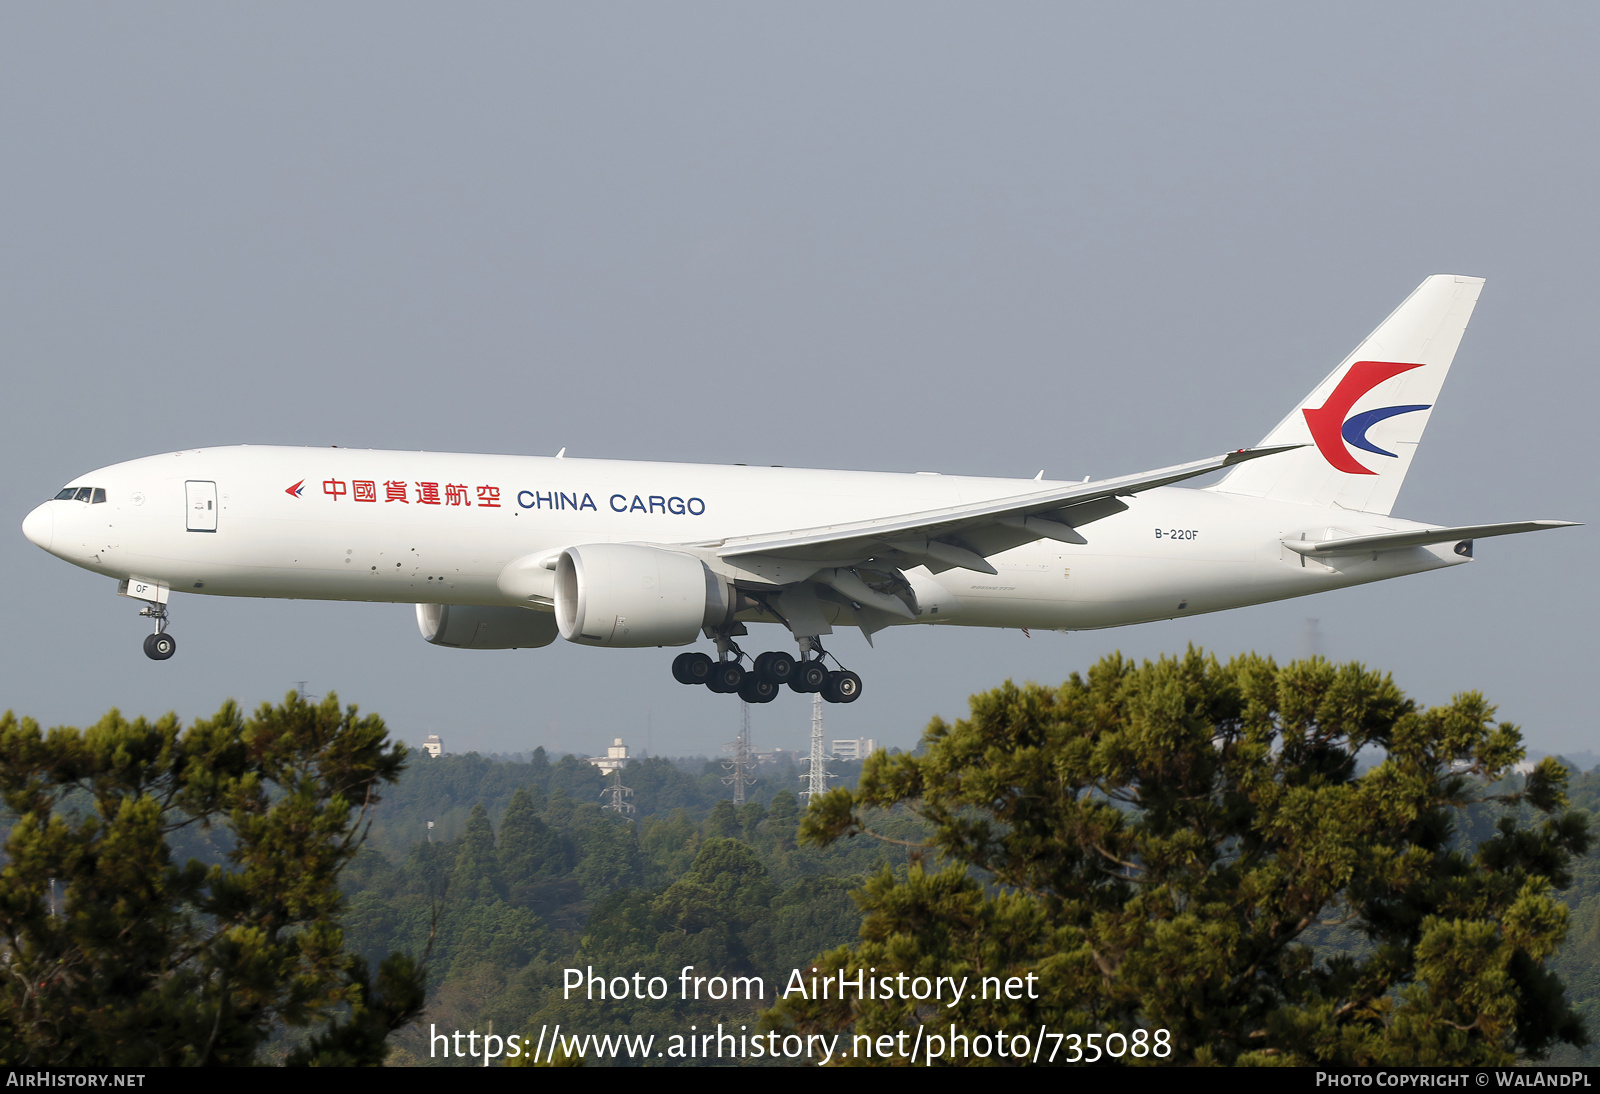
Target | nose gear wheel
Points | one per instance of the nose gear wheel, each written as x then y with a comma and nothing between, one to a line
159,647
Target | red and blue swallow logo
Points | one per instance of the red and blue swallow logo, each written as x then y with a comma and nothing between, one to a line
297,490
1333,426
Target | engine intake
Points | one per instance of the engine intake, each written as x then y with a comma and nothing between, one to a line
623,594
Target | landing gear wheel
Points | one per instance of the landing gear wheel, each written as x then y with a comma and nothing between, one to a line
808,677
725,678
159,647
692,668
755,689
842,687
777,667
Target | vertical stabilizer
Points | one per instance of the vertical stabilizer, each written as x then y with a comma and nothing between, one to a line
1362,424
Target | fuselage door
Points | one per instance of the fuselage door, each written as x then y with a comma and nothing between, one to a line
202,506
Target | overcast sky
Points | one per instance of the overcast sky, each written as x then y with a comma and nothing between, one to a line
982,239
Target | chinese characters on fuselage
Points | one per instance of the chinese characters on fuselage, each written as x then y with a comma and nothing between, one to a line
458,495
455,493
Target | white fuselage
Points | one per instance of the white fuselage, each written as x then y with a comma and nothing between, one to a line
225,522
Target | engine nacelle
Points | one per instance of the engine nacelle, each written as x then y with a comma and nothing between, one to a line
623,594
471,627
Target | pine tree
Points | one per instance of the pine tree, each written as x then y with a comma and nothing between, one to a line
477,874
1193,848
723,823
119,954
529,849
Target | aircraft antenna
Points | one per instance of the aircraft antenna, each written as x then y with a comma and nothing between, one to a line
739,774
816,777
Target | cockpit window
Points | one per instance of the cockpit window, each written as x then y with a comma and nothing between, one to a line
94,495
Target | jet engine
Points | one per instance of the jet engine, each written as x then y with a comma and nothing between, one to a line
623,594
471,627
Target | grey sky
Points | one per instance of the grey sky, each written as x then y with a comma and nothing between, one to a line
973,239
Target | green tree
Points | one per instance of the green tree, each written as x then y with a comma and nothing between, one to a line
725,889
1193,847
477,873
135,959
723,823
529,849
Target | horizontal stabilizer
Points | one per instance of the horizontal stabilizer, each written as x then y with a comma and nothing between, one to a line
1422,537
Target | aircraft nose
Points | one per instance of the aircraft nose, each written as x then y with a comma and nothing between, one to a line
40,526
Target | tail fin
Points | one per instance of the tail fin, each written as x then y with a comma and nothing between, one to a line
1362,424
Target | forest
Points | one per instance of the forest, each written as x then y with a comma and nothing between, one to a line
1253,864
527,874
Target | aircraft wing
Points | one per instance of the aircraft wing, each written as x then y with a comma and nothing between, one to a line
963,535
1394,541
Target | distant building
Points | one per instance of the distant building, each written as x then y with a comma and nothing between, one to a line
615,759
855,750
433,746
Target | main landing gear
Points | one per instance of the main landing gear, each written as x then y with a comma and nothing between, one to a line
161,645
768,673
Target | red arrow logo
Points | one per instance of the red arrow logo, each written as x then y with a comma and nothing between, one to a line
1327,420
295,490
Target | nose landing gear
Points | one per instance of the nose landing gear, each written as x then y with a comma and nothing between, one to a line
153,594
161,645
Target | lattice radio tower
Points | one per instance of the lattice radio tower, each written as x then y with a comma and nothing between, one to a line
816,776
618,794
738,768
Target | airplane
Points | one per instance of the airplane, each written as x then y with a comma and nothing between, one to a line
503,552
